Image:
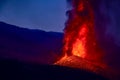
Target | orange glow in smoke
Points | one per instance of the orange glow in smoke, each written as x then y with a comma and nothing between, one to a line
80,7
79,31
79,38
79,45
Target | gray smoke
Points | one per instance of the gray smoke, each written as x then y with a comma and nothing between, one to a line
108,19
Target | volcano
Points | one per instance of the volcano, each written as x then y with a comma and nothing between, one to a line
80,63
81,48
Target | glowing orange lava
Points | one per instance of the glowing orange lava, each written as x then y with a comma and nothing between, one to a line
79,45
79,27
79,37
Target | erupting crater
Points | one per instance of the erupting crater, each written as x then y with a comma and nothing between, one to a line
81,49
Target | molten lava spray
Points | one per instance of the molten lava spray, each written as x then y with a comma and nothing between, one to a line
81,49
80,37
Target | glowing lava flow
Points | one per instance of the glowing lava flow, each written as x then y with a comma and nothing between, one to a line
79,31
80,46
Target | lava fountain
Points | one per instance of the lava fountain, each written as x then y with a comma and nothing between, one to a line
81,49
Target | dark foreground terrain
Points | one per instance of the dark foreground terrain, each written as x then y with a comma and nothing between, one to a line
13,69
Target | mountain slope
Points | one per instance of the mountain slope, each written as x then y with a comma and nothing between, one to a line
29,45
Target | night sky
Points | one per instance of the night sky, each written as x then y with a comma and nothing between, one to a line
48,15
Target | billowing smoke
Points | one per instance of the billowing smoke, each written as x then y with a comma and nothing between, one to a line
108,16
80,37
87,35
107,26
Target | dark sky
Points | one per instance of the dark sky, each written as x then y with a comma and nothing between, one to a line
48,15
